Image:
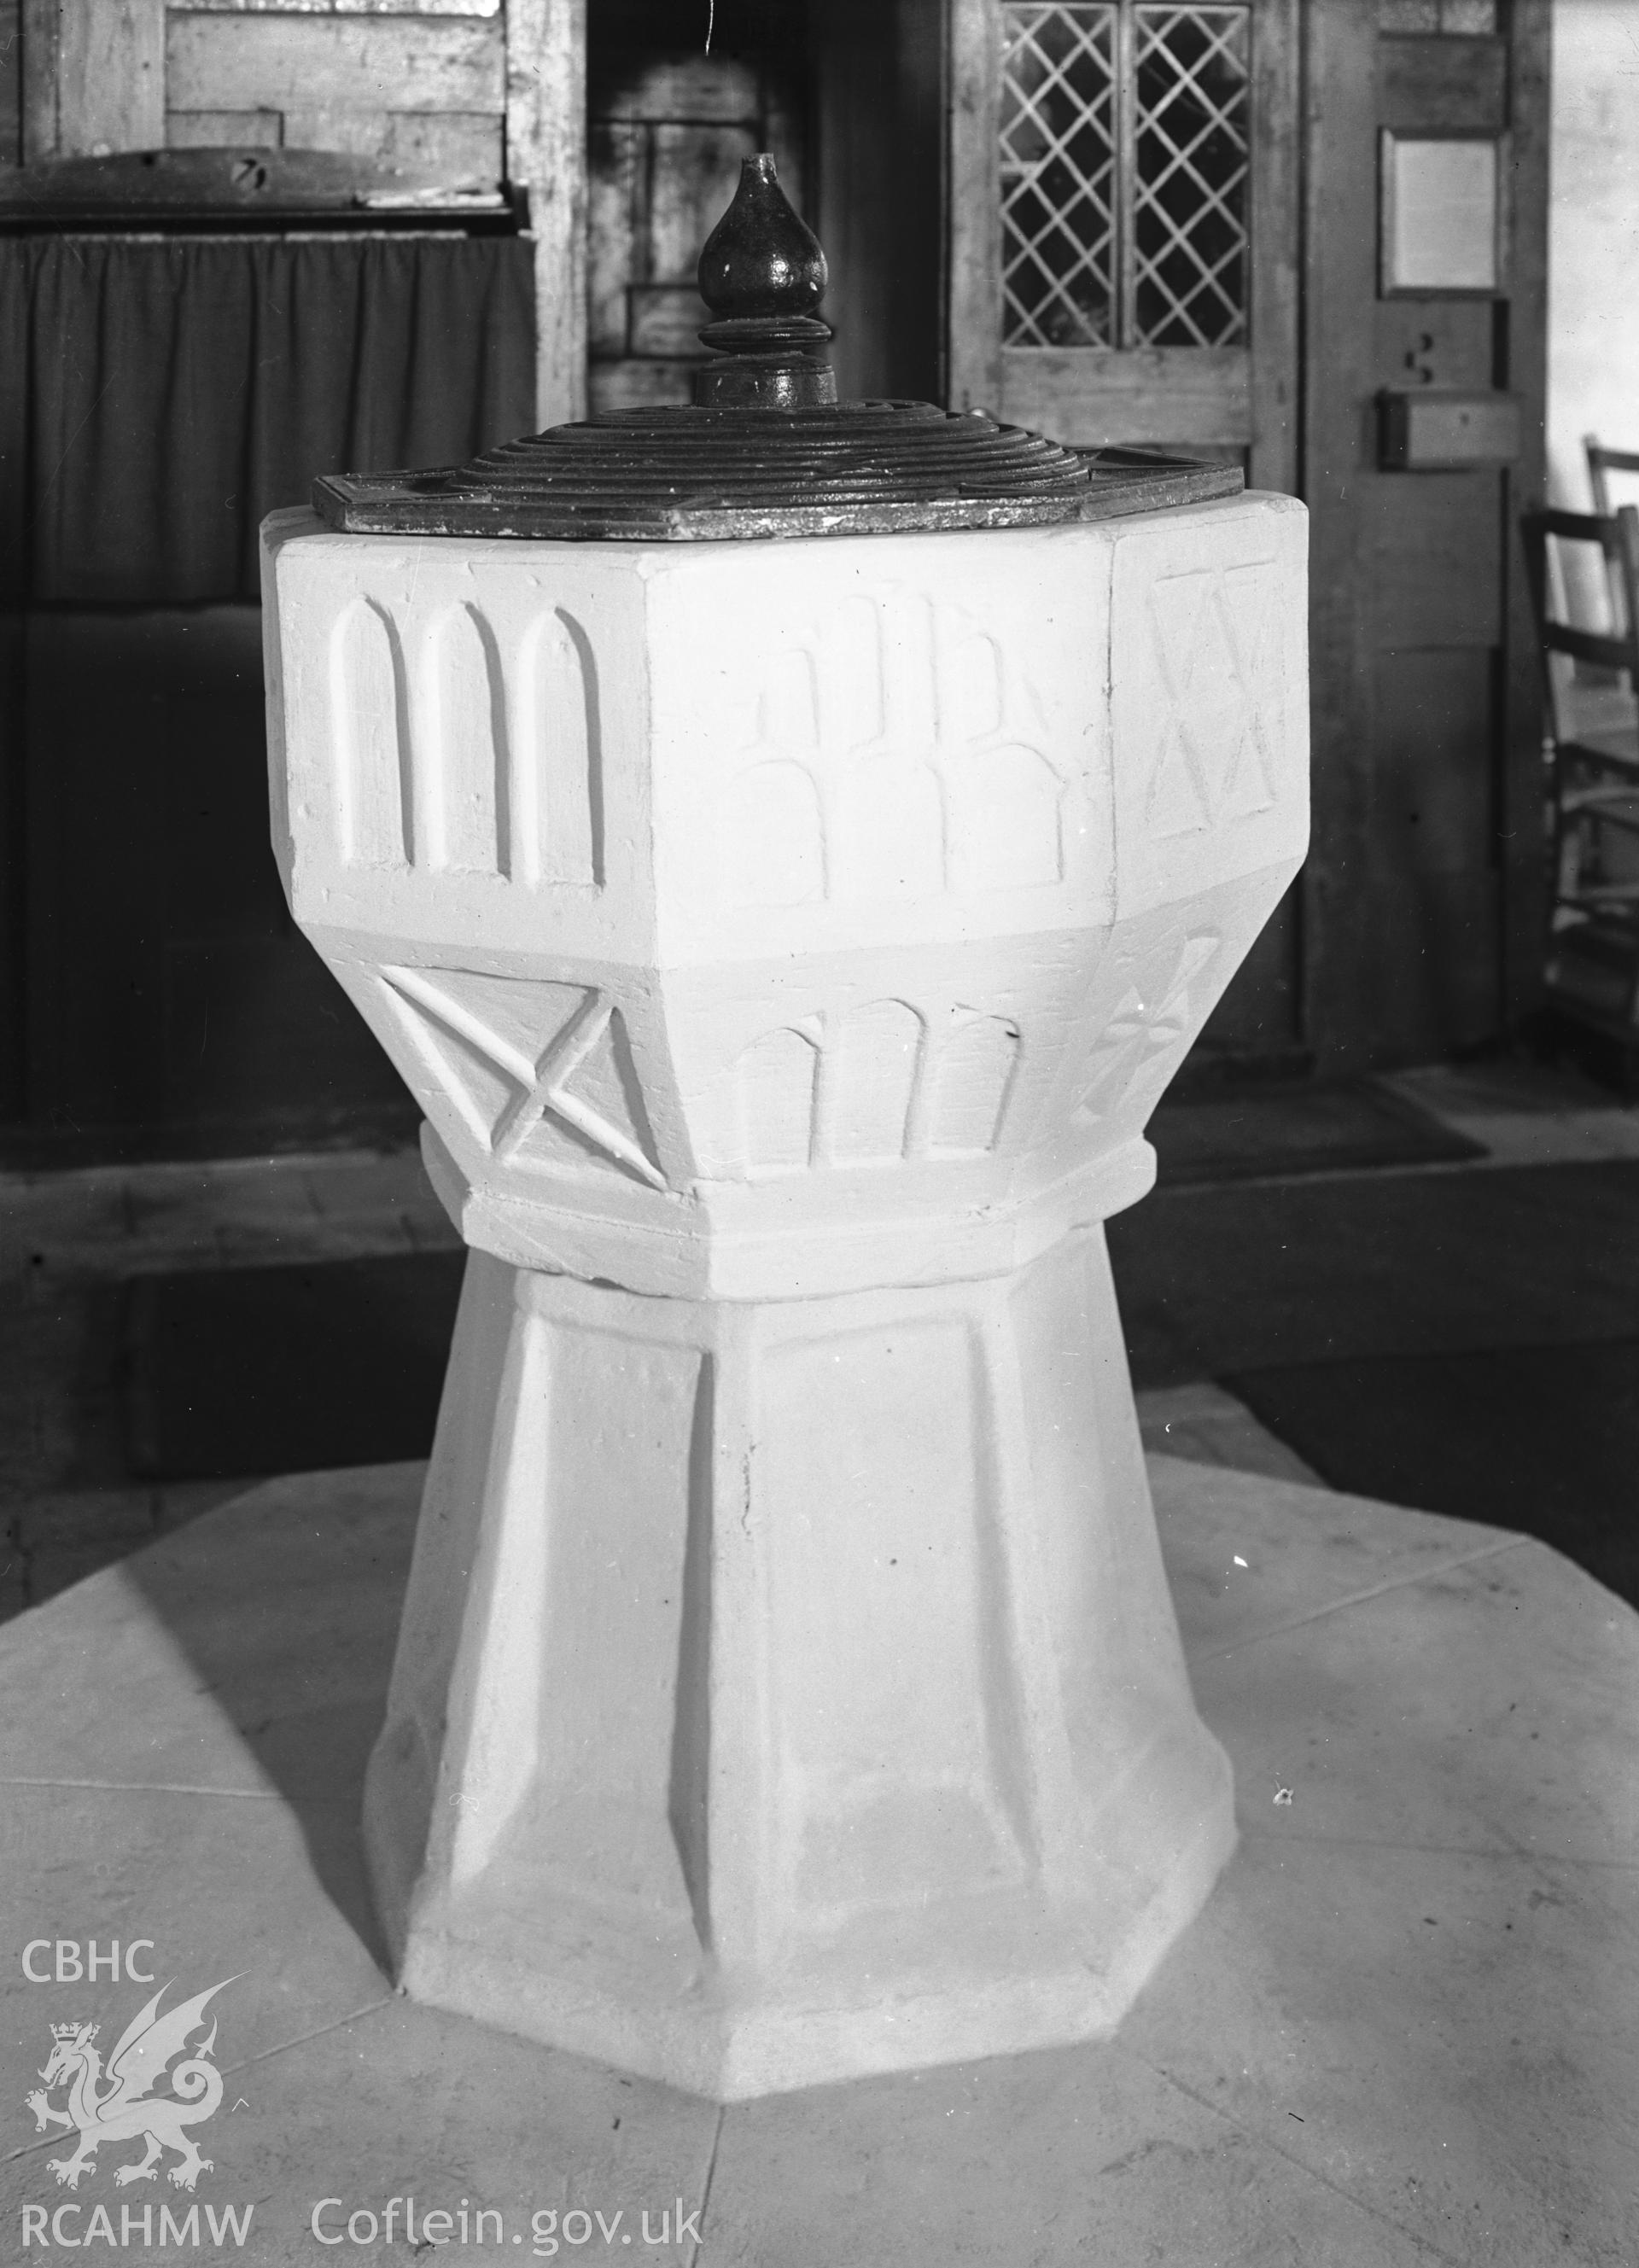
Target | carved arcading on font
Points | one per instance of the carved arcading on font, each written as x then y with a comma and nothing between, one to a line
874,1086
486,758
893,755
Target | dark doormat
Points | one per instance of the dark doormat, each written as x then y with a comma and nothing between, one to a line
1542,1439
1215,1280
1299,1129
241,1371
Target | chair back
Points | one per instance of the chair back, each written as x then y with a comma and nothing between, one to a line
1602,463
1565,642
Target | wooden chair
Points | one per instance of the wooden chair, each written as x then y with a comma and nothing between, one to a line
1602,463
1592,748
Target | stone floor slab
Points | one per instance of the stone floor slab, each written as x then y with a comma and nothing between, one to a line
1403,2030
240,1646
1413,2029
1455,1712
221,1885
1076,2154
1248,1555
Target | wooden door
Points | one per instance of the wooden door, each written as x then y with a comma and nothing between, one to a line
1123,268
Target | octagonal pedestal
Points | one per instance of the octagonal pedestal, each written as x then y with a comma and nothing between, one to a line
814,1704
788,943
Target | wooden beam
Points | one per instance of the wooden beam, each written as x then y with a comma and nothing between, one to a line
245,61
546,154
1276,211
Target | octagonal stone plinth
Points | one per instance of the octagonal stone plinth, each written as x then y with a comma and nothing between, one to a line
788,943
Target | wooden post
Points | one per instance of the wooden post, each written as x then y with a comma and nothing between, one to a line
973,292
1276,157
1339,956
546,154
1521,848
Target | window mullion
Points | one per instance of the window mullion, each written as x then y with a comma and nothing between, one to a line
1125,174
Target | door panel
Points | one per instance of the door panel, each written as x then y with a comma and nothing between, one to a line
1435,342
1427,83
1124,222
1435,884
1433,547
1437,790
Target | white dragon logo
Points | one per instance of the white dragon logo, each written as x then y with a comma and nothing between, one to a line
125,2107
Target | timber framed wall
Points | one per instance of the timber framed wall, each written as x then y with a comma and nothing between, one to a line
458,96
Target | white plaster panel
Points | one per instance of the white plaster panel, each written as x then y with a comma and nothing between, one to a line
1593,251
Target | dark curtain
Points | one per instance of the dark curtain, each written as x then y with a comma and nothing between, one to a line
157,398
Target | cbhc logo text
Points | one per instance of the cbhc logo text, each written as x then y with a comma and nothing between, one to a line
71,1965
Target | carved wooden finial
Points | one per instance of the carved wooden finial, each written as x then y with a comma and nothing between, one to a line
762,258
763,276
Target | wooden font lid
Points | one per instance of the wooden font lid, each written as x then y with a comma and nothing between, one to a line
766,449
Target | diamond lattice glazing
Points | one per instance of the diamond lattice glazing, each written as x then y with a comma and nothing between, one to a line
1124,171
1190,177
1057,134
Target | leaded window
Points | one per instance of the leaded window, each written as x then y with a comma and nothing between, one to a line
1125,144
